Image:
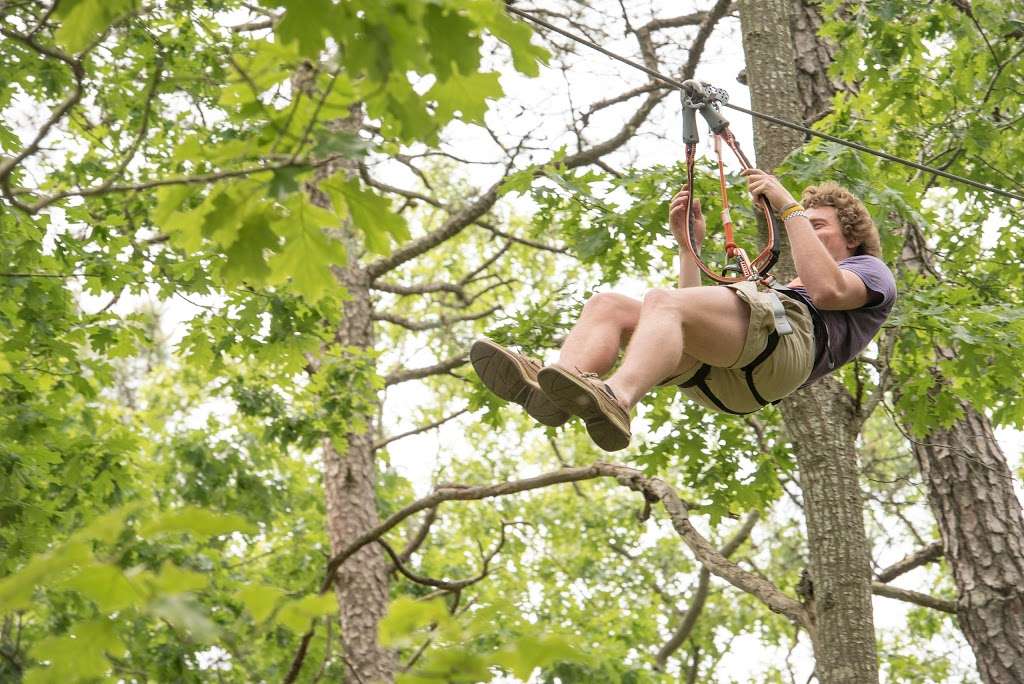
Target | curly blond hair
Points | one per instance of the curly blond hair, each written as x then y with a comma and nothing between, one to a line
854,219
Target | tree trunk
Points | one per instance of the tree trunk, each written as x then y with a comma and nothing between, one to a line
350,470
970,489
821,419
350,484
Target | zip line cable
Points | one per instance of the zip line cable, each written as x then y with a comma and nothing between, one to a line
767,117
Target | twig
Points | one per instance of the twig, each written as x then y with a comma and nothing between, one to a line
415,431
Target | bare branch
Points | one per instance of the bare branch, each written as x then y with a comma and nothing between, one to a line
522,241
421,535
437,423
427,288
300,655
448,586
628,95
652,488
441,322
914,597
701,594
201,179
928,554
419,373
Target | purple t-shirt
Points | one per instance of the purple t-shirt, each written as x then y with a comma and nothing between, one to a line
847,333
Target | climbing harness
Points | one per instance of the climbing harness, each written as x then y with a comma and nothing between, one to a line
700,378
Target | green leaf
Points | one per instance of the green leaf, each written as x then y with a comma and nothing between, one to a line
106,586
465,95
175,580
79,656
350,145
245,256
197,521
370,212
516,34
303,23
308,253
527,653
283,182
185,614
296,615
82,21
451,42
16,590
169,200
259,599
406,616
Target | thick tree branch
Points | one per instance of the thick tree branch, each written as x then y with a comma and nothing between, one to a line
441,322
930,553
426,288
419,373
701,594
914,597
653,490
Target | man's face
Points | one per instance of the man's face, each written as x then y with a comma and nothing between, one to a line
826,227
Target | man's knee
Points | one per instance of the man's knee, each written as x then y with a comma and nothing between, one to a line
613,305
665,300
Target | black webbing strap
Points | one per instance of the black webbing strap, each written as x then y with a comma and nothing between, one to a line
748,370
699,379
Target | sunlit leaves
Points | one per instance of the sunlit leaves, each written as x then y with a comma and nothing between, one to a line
371,213
82,21
409,621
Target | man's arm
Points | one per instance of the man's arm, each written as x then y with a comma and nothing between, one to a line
689,272
831,287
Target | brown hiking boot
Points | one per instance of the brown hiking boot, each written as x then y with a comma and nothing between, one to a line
584,395
513,377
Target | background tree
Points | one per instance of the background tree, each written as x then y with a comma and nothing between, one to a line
276,369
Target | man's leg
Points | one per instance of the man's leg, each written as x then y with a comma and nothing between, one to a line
603,329
675,327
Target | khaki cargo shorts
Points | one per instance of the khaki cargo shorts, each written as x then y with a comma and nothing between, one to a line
784,370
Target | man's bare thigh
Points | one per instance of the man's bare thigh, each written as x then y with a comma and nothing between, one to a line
714,320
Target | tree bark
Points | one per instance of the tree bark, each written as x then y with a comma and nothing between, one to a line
970,489
350,471
785,72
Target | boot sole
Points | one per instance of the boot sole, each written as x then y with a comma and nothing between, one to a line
503,375
573,396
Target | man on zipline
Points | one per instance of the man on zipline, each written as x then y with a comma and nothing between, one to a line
717,343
